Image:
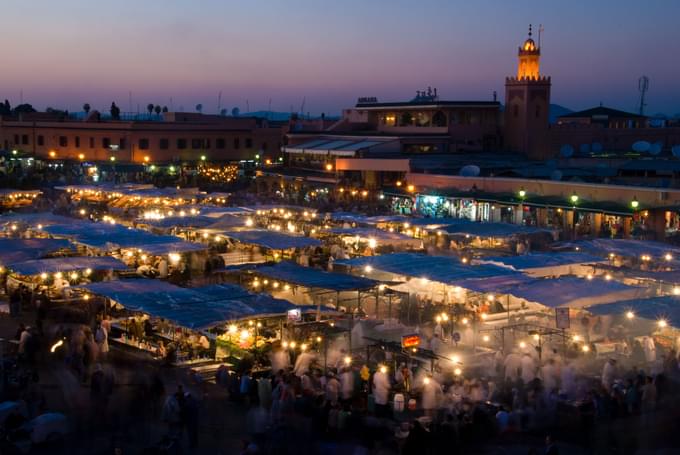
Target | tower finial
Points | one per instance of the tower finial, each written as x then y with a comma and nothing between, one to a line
529,29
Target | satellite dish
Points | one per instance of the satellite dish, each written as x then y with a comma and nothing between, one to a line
584,149
556,175
655,148
596,147
676,150
641,146
566,151
469,171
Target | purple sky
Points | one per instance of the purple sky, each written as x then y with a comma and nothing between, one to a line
67,52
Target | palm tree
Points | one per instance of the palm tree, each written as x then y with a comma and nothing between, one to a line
165,108
149,107
86,108
157,109
199,107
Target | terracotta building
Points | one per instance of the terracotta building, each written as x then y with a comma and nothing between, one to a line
173,138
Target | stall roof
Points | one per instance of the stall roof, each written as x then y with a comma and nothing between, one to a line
366,233
19,250
573,292
110,237
196,308
179,221
663,307
495,230
227,222
64,264
542,260
34,219
624,247
443,269
272,239
315,278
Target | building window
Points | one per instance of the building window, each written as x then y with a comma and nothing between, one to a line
77,140
24,139
196,143
16,138
439,119
249,143
106,142
206,143
144,144
122,144
91,142
164,144
181,144
63,141
41,139
219,143
237,143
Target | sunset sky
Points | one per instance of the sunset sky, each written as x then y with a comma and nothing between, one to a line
67,52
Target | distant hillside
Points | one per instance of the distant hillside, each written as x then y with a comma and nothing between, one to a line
556,110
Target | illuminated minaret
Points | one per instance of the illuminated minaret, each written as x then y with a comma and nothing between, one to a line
529,60
527,104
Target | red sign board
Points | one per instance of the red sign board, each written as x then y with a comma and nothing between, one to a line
410,341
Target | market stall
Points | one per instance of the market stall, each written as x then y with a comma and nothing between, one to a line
549,264
19,250
58,275
309,286
367,240
498,236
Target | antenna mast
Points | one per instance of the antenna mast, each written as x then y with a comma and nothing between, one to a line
643,86
540,32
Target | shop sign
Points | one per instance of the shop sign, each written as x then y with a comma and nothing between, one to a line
295,315
410,341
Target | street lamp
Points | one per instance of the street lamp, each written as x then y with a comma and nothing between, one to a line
522,193
574,198
634,203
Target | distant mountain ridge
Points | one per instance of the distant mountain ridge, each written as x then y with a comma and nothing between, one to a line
556,111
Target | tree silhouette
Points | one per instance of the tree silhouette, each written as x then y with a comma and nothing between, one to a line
115,111
199,108
223,112
149,107
165,108
86,108
5,108
235,112
157,109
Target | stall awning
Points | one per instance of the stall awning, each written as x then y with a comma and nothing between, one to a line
108,237
272,239
315,278
542,260
653,308
19,250
443,269
378,234
492,230
67,264
624,248
195,308
574,292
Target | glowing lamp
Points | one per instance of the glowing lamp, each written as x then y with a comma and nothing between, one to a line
630,315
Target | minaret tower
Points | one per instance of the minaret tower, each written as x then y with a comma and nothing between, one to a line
527,104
